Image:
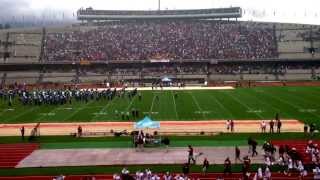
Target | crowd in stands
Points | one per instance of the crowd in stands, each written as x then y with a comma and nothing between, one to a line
176,40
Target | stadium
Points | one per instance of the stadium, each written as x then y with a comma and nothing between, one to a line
160,94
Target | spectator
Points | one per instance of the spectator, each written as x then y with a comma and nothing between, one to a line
205,166
227,166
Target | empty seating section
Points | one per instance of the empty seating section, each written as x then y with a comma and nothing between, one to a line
12,154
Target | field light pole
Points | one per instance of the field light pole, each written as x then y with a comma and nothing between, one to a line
159,5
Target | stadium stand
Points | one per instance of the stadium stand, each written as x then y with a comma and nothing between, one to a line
12,154
142,51
234,176
174,40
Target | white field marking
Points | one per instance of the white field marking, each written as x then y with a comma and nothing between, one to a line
235,98
308,110
196,102
132,99
175,106
267,104
47,114
152,112
152,103
254,111
221,105
68,108
100,113
174,88
6,110
202,112
77,110
290,104
23,113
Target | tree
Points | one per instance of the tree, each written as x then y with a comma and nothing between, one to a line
1,26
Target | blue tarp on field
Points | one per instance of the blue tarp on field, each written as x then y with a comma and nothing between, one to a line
146,122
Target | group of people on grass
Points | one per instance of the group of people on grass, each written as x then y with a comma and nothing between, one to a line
62,96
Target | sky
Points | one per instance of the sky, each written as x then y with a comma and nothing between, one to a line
288,11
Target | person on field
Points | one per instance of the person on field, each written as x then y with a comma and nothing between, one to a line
191,155
237,154
205,166
279,124
254,148
227,166
246,167
271,124
228,125
22,131
263,126
232,126
79,131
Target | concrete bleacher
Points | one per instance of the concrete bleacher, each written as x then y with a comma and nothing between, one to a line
22,77
55,76
12,154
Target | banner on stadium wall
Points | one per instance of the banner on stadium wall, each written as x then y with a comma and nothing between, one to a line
160,60
84,62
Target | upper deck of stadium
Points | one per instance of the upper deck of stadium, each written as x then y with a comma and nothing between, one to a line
91,14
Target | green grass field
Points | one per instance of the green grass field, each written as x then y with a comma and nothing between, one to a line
243,103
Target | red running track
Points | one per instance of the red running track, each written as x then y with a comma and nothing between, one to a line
300,145
12,154
210,176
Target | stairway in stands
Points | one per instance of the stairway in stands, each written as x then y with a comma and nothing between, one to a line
300,145
12,154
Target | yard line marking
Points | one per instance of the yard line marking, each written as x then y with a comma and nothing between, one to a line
267,104
47,114
101,112
76,111
196,102
152,103
222,106
175,106
132,99
245,105
21,114
290,104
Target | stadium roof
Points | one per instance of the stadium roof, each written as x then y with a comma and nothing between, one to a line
91,14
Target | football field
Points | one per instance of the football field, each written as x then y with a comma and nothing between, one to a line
300,103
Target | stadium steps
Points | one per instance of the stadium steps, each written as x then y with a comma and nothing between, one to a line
12,154
300,145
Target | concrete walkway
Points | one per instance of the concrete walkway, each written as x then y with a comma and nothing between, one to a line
129,156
